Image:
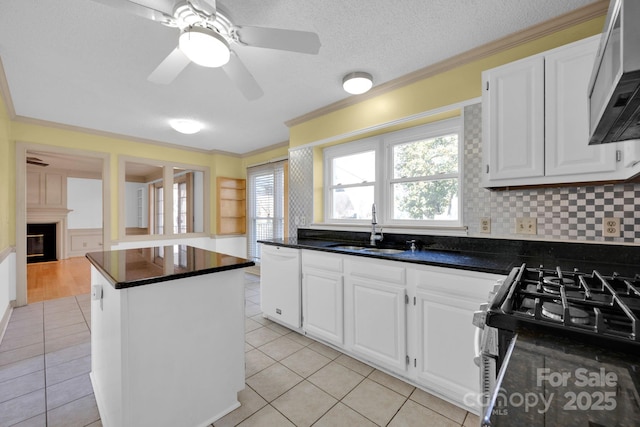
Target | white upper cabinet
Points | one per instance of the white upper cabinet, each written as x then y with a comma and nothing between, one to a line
567,73
513,119
535,121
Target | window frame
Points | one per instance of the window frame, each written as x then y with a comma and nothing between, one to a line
383,146
166,183
416,134
343,150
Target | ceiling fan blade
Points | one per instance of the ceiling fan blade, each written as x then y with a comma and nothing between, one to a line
274,38
242,78
140,10
206,7
169,68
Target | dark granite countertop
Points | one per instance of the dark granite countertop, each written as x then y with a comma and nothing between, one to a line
485,262
135,267
487,255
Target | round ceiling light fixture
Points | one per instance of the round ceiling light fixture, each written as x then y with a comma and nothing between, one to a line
186,126
357,82
204,46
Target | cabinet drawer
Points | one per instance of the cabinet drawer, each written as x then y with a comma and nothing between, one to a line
326,262
381,271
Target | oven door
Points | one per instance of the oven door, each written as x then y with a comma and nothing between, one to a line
492,400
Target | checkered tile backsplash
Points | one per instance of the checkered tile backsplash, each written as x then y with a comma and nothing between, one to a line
563,213
300,189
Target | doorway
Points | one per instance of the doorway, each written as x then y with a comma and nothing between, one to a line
63,187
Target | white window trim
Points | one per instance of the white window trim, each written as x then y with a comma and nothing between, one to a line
367,144
382,145
429,130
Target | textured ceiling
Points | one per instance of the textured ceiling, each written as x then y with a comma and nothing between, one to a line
83,63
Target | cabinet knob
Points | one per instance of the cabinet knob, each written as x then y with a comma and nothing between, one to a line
487,169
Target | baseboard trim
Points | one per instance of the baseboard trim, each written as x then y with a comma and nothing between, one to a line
4,322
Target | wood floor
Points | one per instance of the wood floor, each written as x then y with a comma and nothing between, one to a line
57,279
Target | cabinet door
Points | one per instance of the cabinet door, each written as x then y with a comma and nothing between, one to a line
323,308
445,350
280,284
378,319
567,73
513,119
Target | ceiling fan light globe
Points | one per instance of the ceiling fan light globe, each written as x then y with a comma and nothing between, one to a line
357,83
204,46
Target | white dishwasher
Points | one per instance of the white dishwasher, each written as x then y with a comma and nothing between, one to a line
280,284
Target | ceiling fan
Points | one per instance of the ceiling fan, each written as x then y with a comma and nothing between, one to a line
207,36
36,161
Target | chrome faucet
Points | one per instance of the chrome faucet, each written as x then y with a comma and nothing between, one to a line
375,235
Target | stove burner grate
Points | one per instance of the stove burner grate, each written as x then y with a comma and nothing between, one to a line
608,307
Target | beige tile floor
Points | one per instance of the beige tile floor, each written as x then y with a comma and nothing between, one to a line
291,380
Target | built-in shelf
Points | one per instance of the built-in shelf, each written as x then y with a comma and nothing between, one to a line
231,205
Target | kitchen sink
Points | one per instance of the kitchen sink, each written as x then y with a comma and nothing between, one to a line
348,247
385,250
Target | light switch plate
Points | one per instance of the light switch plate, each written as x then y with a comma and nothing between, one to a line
611,227
485,225
526,225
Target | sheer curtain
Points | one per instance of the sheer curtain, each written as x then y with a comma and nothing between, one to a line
265,205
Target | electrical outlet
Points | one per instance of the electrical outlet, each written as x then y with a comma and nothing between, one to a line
485,225
611,227
526,225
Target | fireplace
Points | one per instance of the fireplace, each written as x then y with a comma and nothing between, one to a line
41,242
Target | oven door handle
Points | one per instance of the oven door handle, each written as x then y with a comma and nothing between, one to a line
477,338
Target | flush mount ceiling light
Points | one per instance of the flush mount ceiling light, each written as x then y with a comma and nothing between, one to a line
204,46
186,126
357,82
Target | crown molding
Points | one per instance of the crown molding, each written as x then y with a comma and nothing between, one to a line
265,149
567,20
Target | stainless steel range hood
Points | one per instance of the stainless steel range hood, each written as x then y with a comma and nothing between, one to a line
614,89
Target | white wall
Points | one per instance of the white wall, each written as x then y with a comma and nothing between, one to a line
236,246
84,198
7,284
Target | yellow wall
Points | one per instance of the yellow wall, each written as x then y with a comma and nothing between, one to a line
456,85
265,156
7,181
53,136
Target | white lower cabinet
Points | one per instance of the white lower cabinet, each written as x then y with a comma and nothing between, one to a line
442,349
323,296
375,312
410,320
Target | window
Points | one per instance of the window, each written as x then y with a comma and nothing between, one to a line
157,209
266,205
351,171
416,182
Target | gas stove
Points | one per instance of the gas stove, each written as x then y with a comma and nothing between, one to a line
585,305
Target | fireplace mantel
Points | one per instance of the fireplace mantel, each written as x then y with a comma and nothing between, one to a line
56,216
47,214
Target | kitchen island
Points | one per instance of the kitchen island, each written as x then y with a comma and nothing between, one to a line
167,335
